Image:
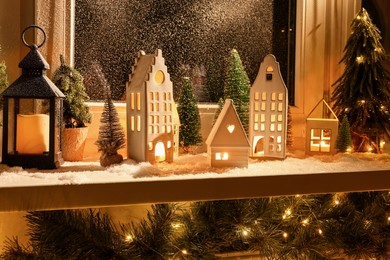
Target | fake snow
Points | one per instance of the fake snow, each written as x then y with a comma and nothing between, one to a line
188,167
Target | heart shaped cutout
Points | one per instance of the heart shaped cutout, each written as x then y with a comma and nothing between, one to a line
230,128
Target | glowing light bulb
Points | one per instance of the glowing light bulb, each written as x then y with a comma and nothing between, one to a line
184,252
305,222
336,202
285,235
360,59
319,231
129,238
370,149
245,233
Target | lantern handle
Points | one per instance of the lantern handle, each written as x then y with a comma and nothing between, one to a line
33,45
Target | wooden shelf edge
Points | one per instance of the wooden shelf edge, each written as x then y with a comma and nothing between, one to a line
146,192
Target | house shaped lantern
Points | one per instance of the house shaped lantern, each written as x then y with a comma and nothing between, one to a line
32,115
321,132
268,112
150,110
227,143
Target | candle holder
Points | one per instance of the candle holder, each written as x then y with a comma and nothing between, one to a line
32,114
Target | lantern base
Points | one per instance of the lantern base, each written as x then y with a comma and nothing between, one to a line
41,161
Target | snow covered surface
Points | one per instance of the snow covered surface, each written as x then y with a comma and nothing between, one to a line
188,167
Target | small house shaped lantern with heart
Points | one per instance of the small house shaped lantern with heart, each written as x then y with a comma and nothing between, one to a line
321,132
227,143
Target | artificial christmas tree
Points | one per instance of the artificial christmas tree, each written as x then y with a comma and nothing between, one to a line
189,132
237,87
76,114
344,141
363,91
111,134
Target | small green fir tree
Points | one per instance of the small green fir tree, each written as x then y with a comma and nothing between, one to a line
3,77
189,132
290,137
237,87
70,82
363,91
344,140
111,134
3,81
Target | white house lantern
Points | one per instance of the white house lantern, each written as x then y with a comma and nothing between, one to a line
227,143
322,127
268,112
150,110
32,115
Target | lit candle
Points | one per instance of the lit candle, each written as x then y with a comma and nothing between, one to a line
32,135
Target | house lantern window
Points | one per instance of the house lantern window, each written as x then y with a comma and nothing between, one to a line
321,132
32,115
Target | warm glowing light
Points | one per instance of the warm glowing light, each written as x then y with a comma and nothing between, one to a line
360,59
129,238
245,233
349,149
305,222
336,202
184,252
176,225
159,152
319,231
285,235
370,149
388,219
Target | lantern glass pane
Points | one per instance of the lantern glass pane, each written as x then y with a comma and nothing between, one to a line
32,117
11,125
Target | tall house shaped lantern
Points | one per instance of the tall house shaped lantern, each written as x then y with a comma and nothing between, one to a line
321,132
227,143
150,110
268,112
32,115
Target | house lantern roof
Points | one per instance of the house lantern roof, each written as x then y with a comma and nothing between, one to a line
33,83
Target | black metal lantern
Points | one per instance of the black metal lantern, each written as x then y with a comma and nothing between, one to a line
32,115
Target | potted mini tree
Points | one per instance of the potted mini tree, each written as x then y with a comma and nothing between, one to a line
76,114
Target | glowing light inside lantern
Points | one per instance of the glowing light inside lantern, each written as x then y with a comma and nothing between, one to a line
32,135
159,152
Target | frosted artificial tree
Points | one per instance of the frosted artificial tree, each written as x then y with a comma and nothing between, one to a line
344,140
70,82
189,133
237,87
3,80
111,134
76,114
363,91
3,77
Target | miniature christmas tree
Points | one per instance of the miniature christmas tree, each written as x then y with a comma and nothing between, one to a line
70,82
111,135
290,137
189,132
237,87
3,77
363,91
344,141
